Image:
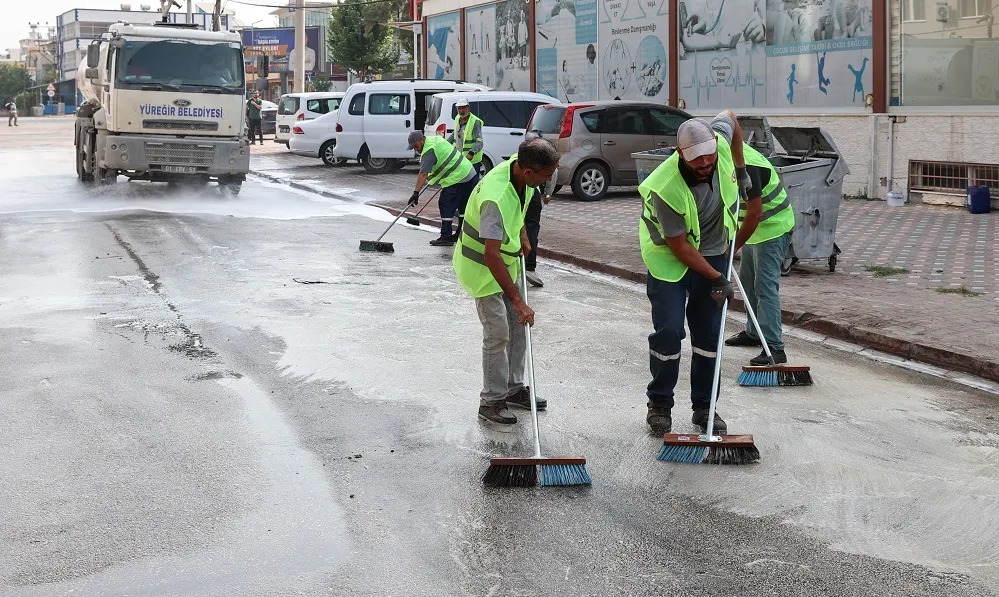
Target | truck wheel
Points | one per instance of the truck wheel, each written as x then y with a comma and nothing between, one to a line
229,187
377,165
80,170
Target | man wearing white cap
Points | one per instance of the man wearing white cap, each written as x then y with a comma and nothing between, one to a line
688,219
467,134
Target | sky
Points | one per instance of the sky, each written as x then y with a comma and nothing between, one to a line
17,14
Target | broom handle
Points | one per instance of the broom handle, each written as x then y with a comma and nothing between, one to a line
397,218
752,316
530,364
428,201
710,431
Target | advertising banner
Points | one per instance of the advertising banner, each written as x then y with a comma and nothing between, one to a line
444,47
567,49
633,58
279,46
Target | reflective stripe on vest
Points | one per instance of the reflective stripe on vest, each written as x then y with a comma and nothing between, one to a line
451,167
467,141
777,218
469,259
666,184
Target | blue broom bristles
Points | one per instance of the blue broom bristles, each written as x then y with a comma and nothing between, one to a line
555,475
690,454
762,379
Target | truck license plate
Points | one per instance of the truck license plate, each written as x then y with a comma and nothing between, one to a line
181,169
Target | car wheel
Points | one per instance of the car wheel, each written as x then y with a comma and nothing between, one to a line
487,165
590,182
326,153
377,165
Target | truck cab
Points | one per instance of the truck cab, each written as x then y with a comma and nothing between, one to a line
163,103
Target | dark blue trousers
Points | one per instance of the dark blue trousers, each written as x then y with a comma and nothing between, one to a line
690,296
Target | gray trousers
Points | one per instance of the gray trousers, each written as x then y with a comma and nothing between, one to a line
504,346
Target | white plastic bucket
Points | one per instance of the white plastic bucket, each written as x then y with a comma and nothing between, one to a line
895,198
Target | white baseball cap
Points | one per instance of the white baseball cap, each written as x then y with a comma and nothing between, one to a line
695,138
460,102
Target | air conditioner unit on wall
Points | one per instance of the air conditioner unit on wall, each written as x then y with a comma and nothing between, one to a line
943,12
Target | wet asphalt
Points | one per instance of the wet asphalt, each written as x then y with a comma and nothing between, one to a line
210,396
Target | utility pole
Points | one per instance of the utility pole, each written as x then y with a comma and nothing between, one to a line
299,46
190,13
217,16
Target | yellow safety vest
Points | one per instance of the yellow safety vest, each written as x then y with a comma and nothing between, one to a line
451,167
778,217
467,141
469,258
667,182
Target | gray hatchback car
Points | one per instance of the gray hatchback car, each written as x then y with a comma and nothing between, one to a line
596,140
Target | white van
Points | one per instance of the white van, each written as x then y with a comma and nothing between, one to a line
504,117
377,117
296,107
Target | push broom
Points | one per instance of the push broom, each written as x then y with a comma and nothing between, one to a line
774,374
386,247
525,472
710,448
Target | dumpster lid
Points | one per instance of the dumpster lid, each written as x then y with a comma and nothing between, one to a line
805,141
756,133
812,142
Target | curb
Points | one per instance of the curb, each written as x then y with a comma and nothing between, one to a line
868,338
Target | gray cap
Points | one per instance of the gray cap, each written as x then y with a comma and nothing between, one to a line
695,138
414,138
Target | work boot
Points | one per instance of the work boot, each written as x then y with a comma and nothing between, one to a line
700,419
522,399
497,413
742,339
761,359
660,419
444,241
534,279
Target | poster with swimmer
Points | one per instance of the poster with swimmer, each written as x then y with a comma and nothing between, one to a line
566,40
632,57
819,53
723,58
444,47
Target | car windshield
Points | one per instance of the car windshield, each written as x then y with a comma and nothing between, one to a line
168,63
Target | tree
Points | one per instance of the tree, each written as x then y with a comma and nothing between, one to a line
359,39
13,80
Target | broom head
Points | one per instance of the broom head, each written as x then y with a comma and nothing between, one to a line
413,221
527,472
379,246
771,376
699,449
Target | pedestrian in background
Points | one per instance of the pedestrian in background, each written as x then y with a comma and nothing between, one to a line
467,134
11,112
487,264
532,220
253,106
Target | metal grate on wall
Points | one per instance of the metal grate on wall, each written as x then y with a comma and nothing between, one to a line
952,177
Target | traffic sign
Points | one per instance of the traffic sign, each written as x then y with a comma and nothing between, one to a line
51,93
51,87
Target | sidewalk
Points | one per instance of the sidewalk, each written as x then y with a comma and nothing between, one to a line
904,314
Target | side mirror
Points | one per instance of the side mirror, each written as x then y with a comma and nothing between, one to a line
93,55
92,73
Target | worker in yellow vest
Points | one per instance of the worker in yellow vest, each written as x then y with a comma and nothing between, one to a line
688,220
487,264
467,134
442,164
759,268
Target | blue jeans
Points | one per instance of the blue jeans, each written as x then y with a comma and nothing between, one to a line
760,275
670,300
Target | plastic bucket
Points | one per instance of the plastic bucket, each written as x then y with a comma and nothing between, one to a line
895,199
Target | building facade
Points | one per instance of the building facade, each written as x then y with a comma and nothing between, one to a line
882,76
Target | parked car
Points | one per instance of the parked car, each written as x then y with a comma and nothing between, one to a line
316,139
296,107
268,117
504,117
379,116
596,140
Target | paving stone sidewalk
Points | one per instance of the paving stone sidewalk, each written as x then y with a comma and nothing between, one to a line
943,309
